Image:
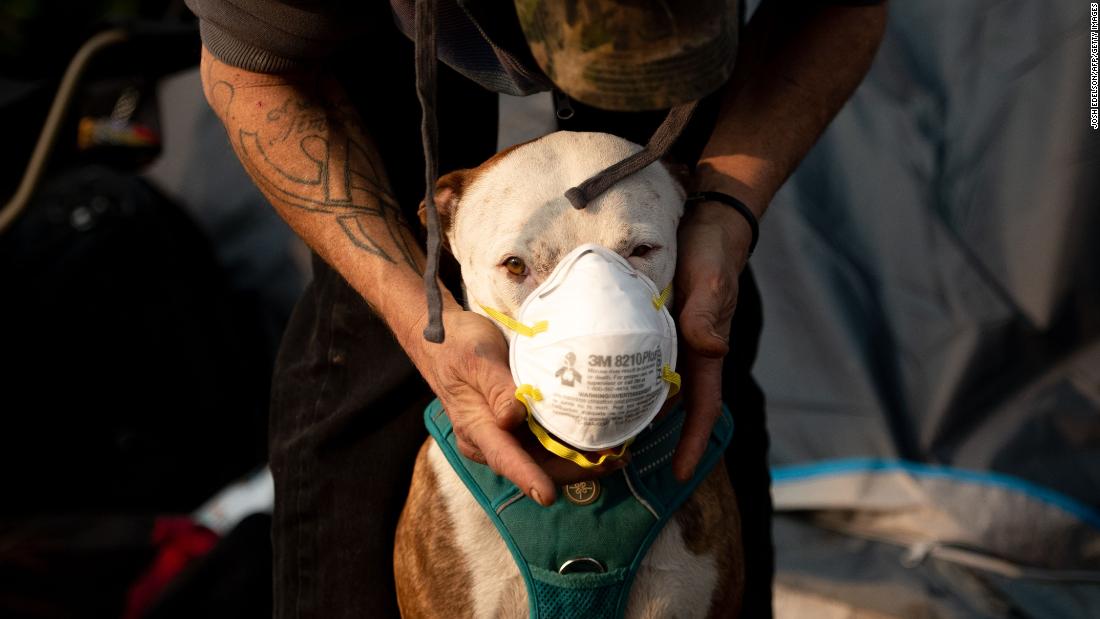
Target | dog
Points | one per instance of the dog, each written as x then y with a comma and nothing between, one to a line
510,212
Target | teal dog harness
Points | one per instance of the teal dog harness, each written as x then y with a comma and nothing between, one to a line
579,556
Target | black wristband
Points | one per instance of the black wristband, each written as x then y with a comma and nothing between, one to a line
739,206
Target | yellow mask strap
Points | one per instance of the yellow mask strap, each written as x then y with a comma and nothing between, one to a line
672,378
660,300
667,373
516,325
554,446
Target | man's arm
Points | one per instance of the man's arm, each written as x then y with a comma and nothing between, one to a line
304,147
795,69
798,68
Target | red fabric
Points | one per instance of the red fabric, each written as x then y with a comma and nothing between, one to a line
179,541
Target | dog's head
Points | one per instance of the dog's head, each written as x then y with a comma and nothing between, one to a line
507,221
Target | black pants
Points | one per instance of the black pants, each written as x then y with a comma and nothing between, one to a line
346,409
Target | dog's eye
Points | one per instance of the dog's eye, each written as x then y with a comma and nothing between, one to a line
515,266
641,251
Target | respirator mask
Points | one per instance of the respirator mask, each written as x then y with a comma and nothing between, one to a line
593,352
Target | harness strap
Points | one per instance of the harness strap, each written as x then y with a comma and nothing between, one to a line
617,526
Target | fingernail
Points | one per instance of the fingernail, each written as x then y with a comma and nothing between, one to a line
538,497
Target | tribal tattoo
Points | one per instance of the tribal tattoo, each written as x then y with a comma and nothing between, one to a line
322,167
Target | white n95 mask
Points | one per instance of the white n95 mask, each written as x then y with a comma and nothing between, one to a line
593,353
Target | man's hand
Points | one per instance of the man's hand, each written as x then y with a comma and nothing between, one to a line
713,248
469,372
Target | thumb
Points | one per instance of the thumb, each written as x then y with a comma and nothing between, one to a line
702,327
499,390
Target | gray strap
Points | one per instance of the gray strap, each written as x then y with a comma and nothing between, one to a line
662,139
425,91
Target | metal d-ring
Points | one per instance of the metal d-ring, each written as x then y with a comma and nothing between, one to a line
582,565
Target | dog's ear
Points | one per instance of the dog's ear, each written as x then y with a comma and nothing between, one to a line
448,190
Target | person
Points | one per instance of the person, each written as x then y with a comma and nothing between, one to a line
318,102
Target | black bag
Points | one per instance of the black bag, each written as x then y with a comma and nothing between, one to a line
131,378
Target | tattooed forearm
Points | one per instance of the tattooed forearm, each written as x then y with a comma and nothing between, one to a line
345,184
308,153
299,116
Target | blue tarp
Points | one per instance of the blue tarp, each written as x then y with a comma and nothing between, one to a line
931,350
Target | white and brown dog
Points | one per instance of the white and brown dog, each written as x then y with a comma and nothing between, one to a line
507,223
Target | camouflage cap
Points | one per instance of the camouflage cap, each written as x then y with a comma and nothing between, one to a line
631,55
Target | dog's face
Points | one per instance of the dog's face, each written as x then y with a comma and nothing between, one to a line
507,222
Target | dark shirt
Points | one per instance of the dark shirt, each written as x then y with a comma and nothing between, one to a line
482,42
